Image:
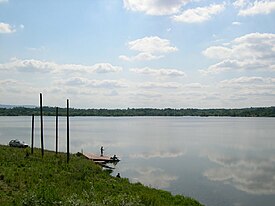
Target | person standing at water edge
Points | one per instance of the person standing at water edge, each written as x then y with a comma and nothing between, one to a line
101,150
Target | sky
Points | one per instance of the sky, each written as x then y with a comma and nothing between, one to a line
138,53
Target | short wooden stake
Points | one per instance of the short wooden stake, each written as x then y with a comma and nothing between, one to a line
41,118
32,133
68,134
56,131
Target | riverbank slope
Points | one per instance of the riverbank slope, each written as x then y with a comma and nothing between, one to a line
32,180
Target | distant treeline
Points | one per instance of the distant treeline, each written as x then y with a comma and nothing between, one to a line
51,111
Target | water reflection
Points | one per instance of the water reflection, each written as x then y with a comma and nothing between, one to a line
153,177
251,174
149,175
218,161
158,154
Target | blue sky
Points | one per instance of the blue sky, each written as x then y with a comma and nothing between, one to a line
138,53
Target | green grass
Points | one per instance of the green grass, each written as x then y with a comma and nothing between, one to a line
31,180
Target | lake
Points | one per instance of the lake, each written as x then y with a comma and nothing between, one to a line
220,161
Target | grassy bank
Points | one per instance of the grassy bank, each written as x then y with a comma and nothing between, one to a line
31,180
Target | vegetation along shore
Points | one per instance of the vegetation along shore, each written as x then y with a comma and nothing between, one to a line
29,179
51,111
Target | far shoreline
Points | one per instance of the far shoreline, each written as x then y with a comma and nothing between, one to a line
142,112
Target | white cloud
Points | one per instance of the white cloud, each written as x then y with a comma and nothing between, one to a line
108,83
240,3
6,28
28,65
105,68
7,82
221,67
155,7
250,86
149,48
194,86
74,81
152,44
79,81
160,85
250,52
32,65
174,7
159,72
3,1
217,52
17,87
248,89
251,8
140,57
199,14
236,23
248,80
146,96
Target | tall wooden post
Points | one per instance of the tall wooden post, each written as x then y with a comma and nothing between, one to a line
32,132
68,135
41,118
56,131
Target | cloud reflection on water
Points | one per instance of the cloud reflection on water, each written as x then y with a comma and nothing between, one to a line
251,174
153,177
158,154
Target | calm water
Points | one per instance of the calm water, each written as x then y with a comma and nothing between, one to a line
218,161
